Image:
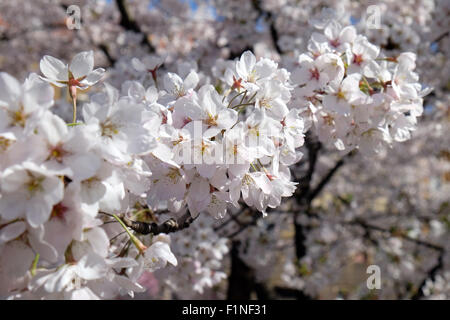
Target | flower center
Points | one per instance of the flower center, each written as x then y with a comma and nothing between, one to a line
314,73
174,175
59,210
179,92
237,85
212,120
58,153
5,143
265,102
247,180
358,59
328,120
252,76
335,43
18,118
35,184
340,94
109,129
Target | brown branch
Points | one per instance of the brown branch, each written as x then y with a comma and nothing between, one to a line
169,226
313,146
302,194
241,278
233,218
107,54
442,36
366,225
269,17
245,226
431,274
292,293
128,23
315,192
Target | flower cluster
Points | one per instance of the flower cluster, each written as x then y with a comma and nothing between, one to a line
70,192
200,253
354,96
214,145
56,178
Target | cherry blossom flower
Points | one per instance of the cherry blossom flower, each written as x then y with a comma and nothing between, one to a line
79,73
30,191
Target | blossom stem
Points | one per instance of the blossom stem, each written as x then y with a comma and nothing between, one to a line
229,104
74,100
139,245
243,98
253,96
226,95
261,165
8,223
74,124
368,85
154,77
243,105
34,264
116,236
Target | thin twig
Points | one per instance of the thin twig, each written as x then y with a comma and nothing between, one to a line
116,236
442,36
273,30
233,218
128,23
315,192
366,225
431,274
